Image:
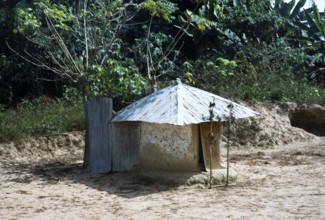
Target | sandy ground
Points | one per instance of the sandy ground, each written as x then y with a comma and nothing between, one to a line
281,175
286,182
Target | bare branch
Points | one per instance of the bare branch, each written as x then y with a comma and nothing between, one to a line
85,33
38,62
148,51
23,57
62,44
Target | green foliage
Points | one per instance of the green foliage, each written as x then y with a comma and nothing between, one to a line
17,78
187,68
160,8
57,13
107,48
6,93
263,88
198,21
268,73
277,58
114,79
221,66
84,44
290,14
313,36
71,96
254,21
152,48
289,9
41,117
314,26
26,20
207,27
226,67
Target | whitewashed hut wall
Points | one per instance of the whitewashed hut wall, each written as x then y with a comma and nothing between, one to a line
169,147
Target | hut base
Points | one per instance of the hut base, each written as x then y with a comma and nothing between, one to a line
219,177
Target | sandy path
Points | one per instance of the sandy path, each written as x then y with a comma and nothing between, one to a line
286,183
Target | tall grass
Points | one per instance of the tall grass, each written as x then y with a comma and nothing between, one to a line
41,117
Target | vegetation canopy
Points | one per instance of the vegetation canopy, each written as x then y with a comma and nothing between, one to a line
240,49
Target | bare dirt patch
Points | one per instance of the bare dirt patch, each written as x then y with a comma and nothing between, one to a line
282,183
275,181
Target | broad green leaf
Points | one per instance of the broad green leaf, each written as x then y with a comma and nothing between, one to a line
297,8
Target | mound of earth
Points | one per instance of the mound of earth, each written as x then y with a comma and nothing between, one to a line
272,128
309,117
44,148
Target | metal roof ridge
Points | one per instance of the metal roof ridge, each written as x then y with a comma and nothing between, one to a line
180,105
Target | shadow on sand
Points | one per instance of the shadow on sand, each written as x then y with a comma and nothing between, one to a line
124,184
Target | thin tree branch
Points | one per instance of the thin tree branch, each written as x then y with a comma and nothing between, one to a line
85,33
61,43
148,51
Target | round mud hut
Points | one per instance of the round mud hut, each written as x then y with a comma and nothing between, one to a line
175,129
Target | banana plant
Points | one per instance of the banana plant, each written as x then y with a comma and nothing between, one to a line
206,26
289,10
314,29
291,13
316,23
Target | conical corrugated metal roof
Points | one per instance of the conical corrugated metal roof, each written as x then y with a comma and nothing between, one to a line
181,104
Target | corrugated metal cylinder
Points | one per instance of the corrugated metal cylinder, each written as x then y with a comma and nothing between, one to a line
99,115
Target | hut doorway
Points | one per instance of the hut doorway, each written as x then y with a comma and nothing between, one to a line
207,154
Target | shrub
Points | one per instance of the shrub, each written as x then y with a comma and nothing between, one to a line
267,73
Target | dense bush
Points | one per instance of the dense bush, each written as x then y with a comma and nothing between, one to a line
268,73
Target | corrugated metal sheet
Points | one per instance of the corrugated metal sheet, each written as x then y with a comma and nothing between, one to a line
125,145
181,104
99,115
